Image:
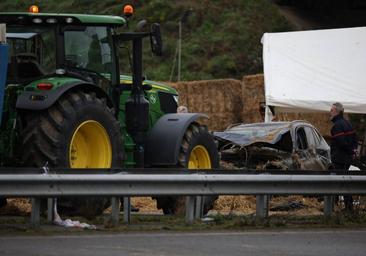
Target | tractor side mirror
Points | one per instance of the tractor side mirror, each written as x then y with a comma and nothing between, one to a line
155,40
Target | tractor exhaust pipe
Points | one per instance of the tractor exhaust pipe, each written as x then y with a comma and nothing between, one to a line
137,107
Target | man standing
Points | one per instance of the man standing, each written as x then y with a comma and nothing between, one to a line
343,145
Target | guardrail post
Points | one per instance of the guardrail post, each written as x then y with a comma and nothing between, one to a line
35,214
50,209
198,212
115,201
190,209
328,205
262,202
2,33
127,210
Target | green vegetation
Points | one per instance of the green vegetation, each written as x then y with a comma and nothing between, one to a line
152,223
221,38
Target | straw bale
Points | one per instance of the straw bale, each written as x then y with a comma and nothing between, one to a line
253,94
16,206
247,205
182,91
219,99
145,204
319,120
220,121
244,204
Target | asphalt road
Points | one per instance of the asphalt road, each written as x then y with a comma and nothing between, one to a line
269,243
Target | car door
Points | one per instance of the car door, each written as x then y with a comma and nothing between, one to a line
305,150
317,142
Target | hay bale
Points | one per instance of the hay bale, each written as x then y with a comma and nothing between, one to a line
253,94
243,204
182,92
319,120
220,121
219,99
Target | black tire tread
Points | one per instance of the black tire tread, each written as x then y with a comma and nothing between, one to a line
42,138
175,205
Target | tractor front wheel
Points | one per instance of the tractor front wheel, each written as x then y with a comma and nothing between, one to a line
198,151
78,131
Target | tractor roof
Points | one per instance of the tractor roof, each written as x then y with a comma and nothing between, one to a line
27,18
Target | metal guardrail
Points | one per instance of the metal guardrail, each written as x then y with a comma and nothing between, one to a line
181,183
60,185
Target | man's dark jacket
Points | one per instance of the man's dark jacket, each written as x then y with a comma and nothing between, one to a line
344,141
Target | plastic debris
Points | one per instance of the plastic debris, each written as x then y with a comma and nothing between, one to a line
72,223
207,219
68,223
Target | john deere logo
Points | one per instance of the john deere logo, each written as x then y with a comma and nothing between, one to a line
152,98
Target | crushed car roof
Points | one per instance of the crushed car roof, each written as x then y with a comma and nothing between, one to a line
247,134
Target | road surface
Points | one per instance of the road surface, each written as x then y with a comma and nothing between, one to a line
335,242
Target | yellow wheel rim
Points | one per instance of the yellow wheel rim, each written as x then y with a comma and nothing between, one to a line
90,146
199,158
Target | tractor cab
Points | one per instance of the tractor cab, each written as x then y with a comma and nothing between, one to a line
80,46
32,53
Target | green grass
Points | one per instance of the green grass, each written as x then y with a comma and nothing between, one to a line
154,223
221,39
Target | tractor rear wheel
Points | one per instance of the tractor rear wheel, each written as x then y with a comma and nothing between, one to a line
198,151
78,131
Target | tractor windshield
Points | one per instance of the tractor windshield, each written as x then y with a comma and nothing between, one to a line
32,52
89,48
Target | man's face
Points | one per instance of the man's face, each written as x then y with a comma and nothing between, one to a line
333,112
182,109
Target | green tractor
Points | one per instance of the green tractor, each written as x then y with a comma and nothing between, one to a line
66,104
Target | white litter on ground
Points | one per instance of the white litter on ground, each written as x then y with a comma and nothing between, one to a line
354,168
68,223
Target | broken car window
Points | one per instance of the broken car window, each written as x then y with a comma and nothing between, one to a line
313,142
301,139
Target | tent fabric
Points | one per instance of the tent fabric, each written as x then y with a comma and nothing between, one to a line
307,71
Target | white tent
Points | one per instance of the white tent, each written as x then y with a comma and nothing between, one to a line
309,70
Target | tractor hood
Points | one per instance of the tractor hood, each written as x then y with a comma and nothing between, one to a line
155,85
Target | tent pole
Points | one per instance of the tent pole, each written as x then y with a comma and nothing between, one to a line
268,115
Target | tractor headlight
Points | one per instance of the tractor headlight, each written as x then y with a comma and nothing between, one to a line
51,20
69,20
37,20
176,98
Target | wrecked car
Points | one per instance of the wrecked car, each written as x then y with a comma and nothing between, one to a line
295,145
